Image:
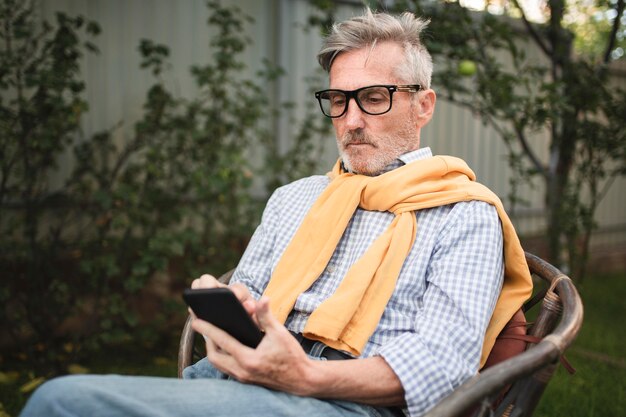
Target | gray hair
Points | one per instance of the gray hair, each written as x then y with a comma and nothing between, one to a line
371,28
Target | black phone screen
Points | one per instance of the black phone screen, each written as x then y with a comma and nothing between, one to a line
220,307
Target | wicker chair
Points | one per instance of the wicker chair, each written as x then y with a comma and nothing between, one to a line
523,378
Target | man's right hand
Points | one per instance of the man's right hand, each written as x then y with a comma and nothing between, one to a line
241,291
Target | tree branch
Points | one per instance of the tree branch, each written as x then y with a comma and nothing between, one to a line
605,188
613,38
533,32
530,153
536,162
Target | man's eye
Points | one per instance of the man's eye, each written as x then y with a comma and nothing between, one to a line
337,100
375,98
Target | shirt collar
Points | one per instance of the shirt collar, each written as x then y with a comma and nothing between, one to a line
416,155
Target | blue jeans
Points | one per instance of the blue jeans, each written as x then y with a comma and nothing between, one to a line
204,392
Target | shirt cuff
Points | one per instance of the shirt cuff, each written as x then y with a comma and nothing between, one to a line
424,380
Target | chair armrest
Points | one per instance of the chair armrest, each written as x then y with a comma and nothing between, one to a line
185,348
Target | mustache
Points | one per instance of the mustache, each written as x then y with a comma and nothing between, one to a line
355,137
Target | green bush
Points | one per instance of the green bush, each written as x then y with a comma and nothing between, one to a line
173,200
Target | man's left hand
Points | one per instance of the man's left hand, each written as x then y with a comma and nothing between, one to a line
278,362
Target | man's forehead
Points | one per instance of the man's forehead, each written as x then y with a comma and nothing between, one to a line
377,62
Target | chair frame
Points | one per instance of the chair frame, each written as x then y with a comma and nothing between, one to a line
527,374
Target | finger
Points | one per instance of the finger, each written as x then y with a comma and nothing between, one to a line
206,330
223,351
250,307
245,297
220,338
210,346
266,319
213,348
241,292
224,362
218,357
206,281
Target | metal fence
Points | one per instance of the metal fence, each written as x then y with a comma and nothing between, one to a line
116,88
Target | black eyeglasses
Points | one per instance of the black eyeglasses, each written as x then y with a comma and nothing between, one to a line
374,99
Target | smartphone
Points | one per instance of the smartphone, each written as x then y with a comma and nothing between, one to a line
220,307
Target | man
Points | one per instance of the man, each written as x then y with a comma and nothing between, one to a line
375,285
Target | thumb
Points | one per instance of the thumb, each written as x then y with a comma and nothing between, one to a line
264,315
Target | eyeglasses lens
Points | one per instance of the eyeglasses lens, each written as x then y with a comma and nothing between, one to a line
333,103
372,100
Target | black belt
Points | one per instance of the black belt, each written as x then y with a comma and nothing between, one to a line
327,352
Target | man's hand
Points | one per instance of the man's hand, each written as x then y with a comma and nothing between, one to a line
241,291
278,362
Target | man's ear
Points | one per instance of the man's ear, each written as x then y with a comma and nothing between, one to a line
425,107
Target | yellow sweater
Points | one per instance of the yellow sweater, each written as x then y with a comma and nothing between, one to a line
348,318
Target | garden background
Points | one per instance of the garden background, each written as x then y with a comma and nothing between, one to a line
139,141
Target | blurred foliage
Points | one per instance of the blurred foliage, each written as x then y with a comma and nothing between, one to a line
81,261
594,23
482,64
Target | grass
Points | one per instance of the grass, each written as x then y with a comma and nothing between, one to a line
599,386
597,389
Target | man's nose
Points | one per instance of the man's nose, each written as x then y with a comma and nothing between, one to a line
354,117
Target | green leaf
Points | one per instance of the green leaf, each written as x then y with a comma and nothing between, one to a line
31,385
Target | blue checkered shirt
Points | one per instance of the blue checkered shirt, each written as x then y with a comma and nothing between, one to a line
432,330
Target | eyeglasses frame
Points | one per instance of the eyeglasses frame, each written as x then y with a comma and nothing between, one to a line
352,94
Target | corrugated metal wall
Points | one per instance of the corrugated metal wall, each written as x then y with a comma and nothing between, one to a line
116,86
611,213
